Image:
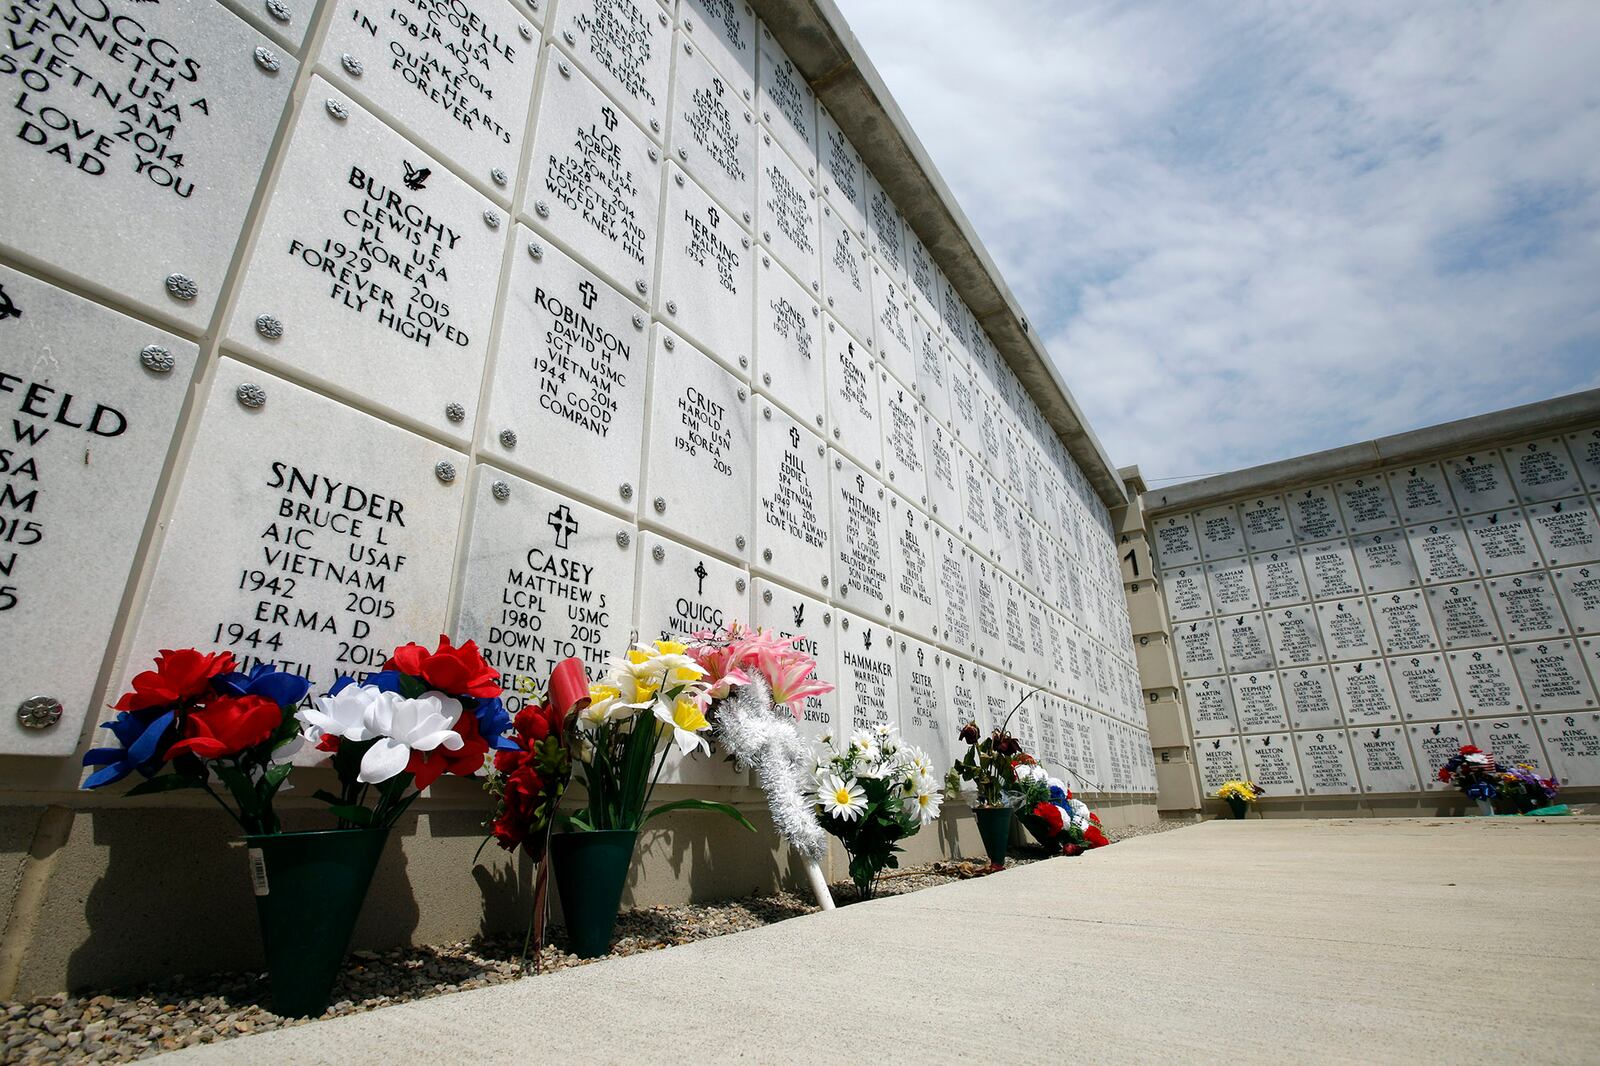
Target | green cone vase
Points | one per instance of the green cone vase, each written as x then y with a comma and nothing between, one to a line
309,890
994,825
1239,807
591,870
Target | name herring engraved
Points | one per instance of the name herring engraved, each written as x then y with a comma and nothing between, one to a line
357,267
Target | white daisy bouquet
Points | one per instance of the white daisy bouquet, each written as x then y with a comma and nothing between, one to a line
651,698
871,794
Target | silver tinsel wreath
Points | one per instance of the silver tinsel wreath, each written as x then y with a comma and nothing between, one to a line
763,736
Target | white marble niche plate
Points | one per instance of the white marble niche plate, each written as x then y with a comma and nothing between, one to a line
1257,702
988,609
861,577
1211,710
953,585
87,428
1233,589
1433,744
458,79
931,358
1422,687
1347,629
783,96
846,290
854,414
866,675
1572,746
789,344
1384,560
545,578
1402,622
793,534
1552,676
1502,542
924,709
1584,447
682,591
1309,698
1478,482
570,372
886,231
944,488
892,327
287,545
1314,514
786,213
1186,593
841,172
714,133
1366,504
1441,552
1365,693
699,457
625,46
1527,607
1578,589
1326,766
1220,534
1296,638
172,181
1462,615
1246,644
1175,543
708,280
792,614
1221,759
1280,577
1542,470
1266,523
911,567
1271,758
1513,740
1421,494
922,281
594,179
1198,650
1383,759
1566,531
374,271
901,418
1485,682
725,31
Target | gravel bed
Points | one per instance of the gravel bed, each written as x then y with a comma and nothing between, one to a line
137,1023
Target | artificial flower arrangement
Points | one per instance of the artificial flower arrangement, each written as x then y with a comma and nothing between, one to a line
1056,818
990,765
1238,795
871,794
756,687
1478,775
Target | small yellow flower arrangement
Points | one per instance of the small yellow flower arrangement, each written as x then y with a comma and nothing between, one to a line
1239,795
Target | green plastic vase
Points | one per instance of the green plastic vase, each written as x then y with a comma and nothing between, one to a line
309,890
994,825
1238,806
591,870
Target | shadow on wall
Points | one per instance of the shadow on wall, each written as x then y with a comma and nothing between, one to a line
167,892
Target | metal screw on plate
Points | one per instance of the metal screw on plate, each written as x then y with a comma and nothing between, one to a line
566,35
670,343
660,505
250,395
526,31
658,553
824,580
877,464
352,64
444,470
683,154
766,116
508,438
498,176
747,216
455,412
838,464
820,450
491,219
745,241
501,490
156,358
623,540
766,379
541,209
182,286
625,490
738,542
902,616
766,412
642,286
766,556
766,594
672,307
39,712
835,432
844,623
739,584
663,17
679,179
742,394
655,125
566,71
655,156
827,616
267,59
819,421
279,10
536,249
269,326
638,322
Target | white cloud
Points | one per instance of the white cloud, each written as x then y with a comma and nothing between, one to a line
1253,230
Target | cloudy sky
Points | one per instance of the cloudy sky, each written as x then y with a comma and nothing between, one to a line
1253,230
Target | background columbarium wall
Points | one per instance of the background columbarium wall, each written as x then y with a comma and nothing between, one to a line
1336,625
548,323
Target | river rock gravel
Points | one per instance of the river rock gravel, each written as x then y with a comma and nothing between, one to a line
133,1024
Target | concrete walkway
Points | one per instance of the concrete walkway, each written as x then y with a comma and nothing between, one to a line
1423,940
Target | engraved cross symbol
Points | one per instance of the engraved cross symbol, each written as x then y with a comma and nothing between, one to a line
794,438
717,84
564,524
700,572
799,614
861,485
920,657
589,293
716,219
610,116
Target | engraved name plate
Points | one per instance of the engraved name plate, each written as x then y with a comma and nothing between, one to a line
1572,745
789,345
1232,587
707,274
1314,514
1441,552
842,173
1527,607
1479,483
1280,578
1513,740
1566,531
1326,763
793,538
1421,493
714,133
954,591
1365,692
624,45
1578,589
1384,561
1331,570
1403,623
903,460
1309,698
860,540
1463,615
869,694
786,212
1434,744
1502,543
853,410
1272,764
787,104
791,614
1542,470
1211,710
1485,682
924,710
911,561
1221,759
1366,504
1246,645
1383,759
1257,702
1266,523
1175,542
725,30
1198,650
1422,687
1296,640
1552,676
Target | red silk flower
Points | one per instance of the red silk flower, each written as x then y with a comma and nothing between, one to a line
1094,837
1051,814
179,675
523,792
455,671
1471,749
429,766
226,726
